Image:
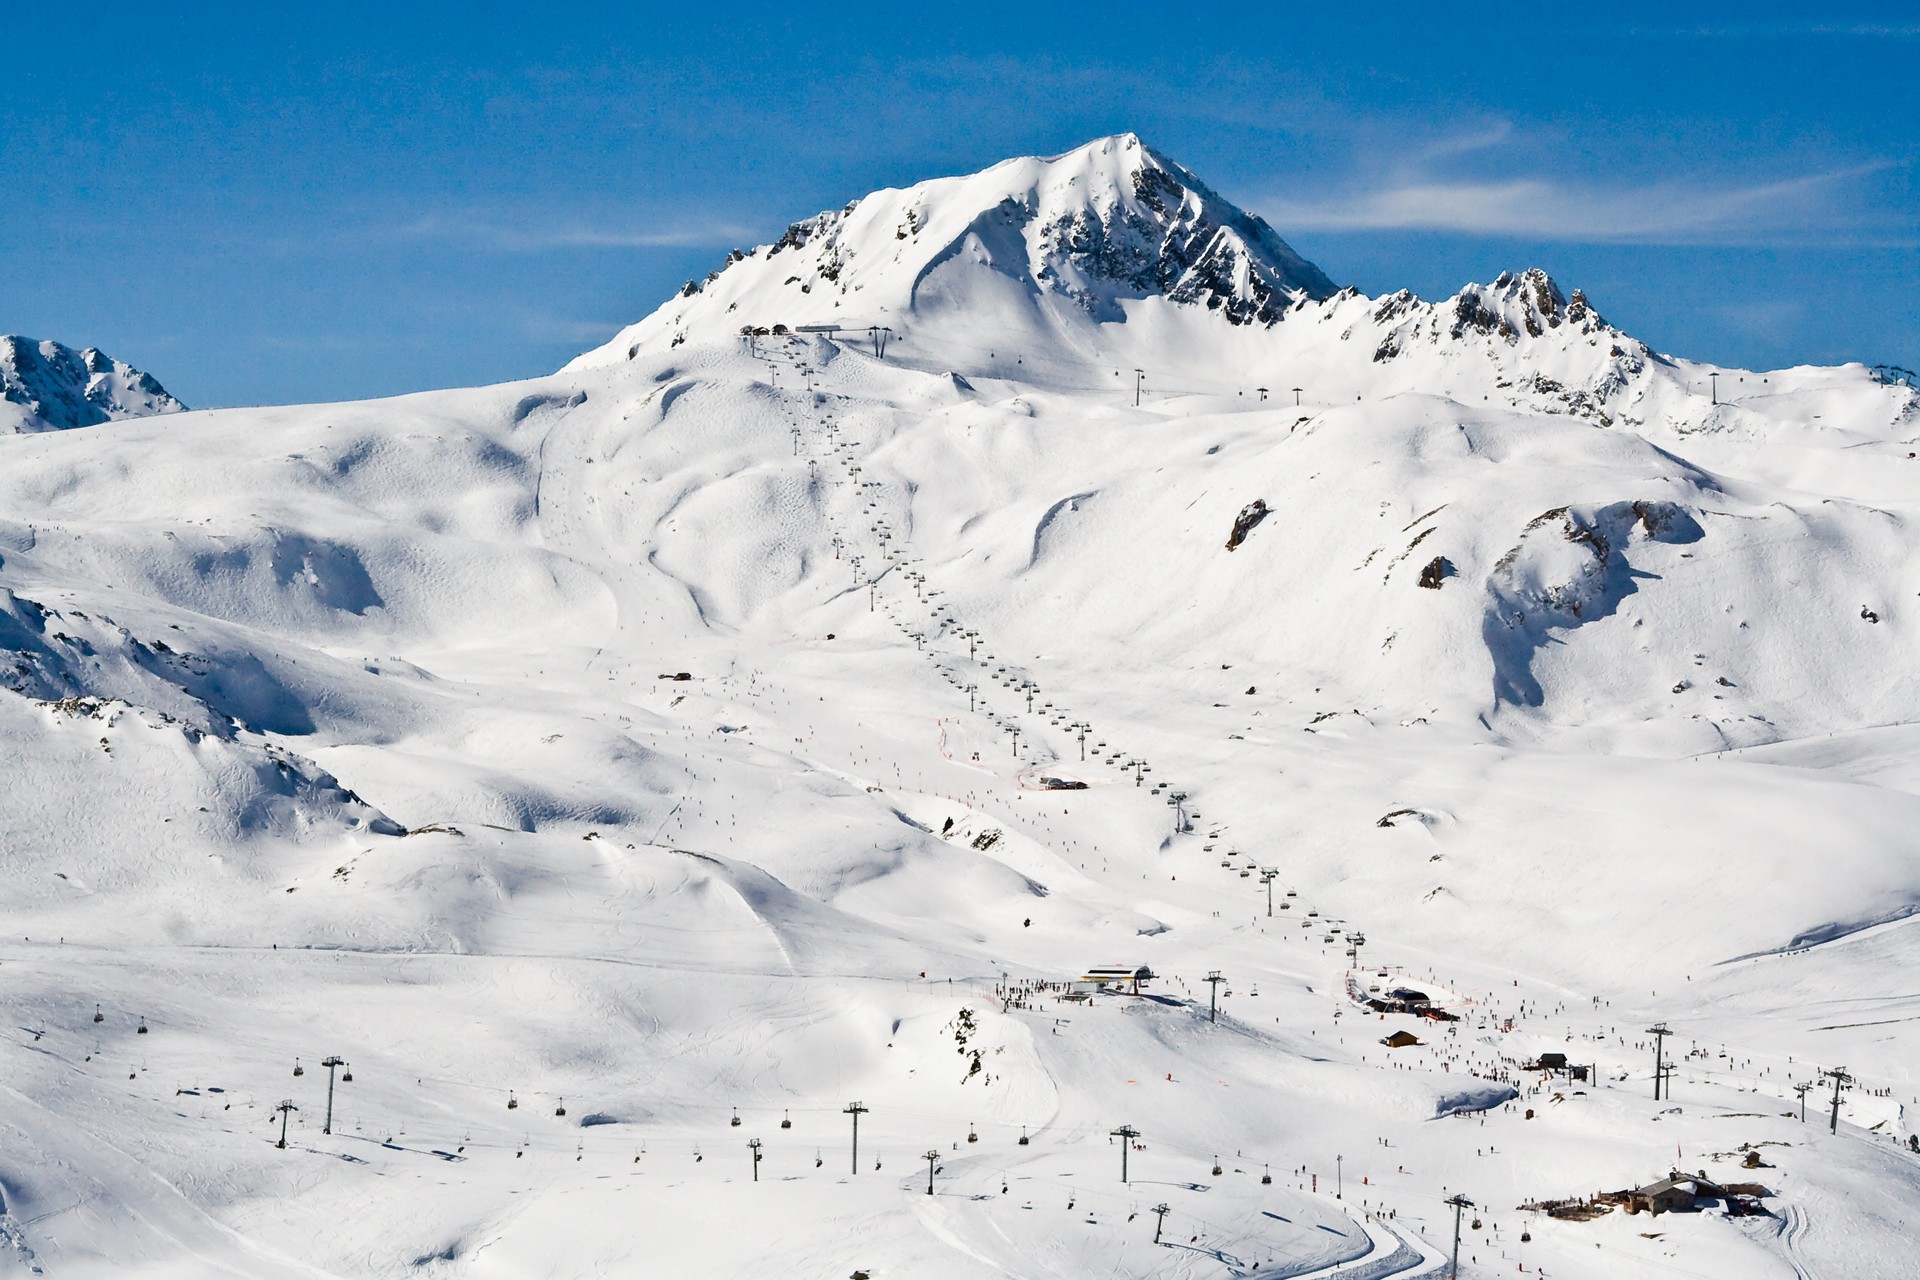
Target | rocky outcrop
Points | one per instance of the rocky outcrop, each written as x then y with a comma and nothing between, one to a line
47,386
1250,515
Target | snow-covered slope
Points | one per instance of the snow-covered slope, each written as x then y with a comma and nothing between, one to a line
741,726
45,386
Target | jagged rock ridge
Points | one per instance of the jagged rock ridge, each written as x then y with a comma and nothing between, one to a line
48,386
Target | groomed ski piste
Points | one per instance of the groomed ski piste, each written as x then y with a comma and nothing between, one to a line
759,726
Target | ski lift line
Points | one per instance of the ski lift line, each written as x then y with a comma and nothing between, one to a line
623,1137
1221,390
1004,373
271,1051
824,1109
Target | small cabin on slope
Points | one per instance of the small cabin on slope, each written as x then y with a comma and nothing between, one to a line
1675,1193
1109,977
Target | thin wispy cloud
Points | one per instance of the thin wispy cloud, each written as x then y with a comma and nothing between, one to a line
1416,193
1495,133
506,237
544,327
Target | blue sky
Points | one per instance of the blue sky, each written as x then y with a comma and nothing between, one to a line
357,201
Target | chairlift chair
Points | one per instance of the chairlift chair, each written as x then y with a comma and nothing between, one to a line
298,1070
786,1120
735,1122
513,1103
561,1109
97,1015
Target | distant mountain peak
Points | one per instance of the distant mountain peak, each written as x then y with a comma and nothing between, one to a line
48,386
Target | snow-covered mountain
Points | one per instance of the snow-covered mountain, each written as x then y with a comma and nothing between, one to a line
1061,242
1088,265
739,726
45,386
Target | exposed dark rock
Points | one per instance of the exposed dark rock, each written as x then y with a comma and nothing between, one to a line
1250,515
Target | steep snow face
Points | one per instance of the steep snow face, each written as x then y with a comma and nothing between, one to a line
46,386
1076,236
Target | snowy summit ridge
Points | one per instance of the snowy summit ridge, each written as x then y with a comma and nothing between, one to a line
48,386
1088,232
1112,253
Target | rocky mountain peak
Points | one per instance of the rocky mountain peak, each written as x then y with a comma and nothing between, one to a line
48,386
1093,230
1529,302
